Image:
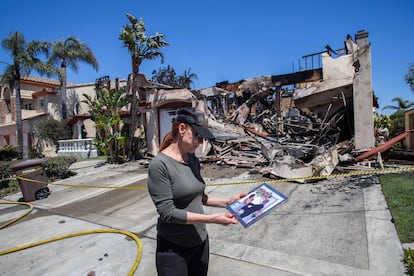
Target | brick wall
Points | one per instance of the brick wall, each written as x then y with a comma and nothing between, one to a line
3,110
409,125
13,108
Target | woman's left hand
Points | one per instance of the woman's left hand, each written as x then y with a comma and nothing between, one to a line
237,197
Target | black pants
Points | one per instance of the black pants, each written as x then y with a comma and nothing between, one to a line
176,260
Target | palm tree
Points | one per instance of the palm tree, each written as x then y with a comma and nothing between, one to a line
187,79
401,104
69,53
25,58
105,111
140,47
409,77
7,79
398,117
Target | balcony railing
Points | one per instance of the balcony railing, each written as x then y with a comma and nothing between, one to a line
80,148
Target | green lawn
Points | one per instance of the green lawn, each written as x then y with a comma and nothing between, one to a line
398,190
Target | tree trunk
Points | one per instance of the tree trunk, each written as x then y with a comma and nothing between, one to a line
133,123
63,94
19,121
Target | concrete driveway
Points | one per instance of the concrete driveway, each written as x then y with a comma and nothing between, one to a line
338,226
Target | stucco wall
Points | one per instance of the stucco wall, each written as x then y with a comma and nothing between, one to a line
409,125
339,68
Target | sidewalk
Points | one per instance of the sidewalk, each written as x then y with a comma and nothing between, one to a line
332,227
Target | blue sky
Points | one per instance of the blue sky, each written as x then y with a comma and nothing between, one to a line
225,40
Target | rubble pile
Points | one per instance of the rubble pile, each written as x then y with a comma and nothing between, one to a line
301,124
287,143
294,154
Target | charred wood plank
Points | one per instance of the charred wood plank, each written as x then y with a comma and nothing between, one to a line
298,77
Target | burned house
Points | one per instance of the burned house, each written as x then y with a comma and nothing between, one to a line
306,119
292,125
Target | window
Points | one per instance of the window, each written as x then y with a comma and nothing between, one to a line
28,106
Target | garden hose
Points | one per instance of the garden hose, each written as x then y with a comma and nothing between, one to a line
19,217
71,235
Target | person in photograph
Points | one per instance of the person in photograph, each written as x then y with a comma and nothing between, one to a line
250,207
177,189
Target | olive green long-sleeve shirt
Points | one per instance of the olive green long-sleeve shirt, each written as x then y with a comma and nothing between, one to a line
176,188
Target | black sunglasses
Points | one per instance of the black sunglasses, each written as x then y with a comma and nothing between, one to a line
196,134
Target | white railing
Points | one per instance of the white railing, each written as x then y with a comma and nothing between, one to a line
81,148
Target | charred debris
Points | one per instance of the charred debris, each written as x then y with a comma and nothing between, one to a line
294,125
260,126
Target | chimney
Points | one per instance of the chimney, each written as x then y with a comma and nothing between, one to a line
361,38
364,138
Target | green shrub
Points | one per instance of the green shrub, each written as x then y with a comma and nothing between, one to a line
8,152
383,121
51,131
397,123
58,167
5,174
12,188
409,261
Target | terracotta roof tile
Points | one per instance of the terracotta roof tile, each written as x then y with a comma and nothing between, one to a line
42,80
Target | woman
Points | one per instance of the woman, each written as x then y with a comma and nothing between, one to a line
177,190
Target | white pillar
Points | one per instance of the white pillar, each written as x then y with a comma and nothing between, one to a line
79,127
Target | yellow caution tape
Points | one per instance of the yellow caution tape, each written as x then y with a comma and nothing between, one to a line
30,172
9,178
367,172
82,186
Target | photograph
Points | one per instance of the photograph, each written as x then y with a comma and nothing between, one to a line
256,204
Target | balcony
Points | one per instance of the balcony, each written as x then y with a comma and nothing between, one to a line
80,148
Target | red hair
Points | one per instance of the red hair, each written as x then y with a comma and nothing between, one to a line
168,138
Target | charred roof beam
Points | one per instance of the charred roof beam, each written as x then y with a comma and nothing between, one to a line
298,77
